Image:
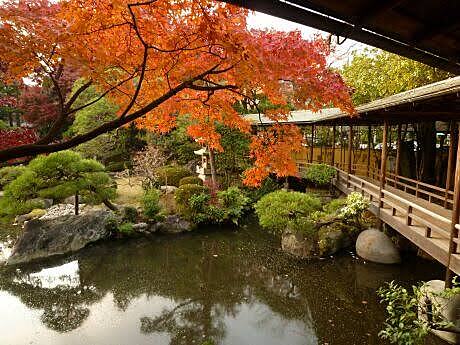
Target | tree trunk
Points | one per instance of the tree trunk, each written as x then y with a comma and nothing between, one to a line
212,163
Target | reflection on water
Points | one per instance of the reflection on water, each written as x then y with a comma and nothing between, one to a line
232,288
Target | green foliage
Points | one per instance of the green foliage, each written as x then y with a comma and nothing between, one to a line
355,205
191,180
234,159
171,175
234,202
10,173
57,176
177,144
376,74
3,125
111,224
90,117
129,214
280,209
151,203
230,206
203,212
403,325
334,206
183,195
126,228
269,185
319,174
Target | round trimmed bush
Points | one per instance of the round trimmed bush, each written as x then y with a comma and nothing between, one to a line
319,174
151,203
184,193
191,180
279,209
171,175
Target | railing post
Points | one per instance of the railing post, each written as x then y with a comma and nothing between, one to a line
454,218
312,142
450,162
369,142
333,146
408,217
398,154
350,149
383,162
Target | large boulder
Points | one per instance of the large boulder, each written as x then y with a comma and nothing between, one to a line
173,224
449,309
35,213
47,237
373,245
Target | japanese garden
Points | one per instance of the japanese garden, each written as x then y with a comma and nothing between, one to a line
175,172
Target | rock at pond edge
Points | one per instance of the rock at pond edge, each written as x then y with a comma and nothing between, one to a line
373,245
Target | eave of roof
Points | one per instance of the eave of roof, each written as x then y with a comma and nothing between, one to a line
424,93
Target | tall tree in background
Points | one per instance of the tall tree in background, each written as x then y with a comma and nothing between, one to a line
376,74
156,59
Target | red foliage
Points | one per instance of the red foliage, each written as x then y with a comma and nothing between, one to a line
17,136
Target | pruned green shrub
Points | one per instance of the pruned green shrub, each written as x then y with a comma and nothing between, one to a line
183,195
320,175
151,203
171,175
203,212
130,214
234,202
335,206
126,228
268,185
355,205
280,209
57,176
191,180
8,174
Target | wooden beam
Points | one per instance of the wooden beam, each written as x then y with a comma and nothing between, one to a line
455,216
333,146
450,161
376,9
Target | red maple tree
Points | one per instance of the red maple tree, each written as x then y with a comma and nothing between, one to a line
157,59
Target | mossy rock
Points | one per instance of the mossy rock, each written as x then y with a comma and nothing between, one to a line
35,213
334,237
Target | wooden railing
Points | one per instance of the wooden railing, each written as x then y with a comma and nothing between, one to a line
413,213
422,190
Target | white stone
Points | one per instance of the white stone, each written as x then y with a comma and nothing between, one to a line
373,245
449,309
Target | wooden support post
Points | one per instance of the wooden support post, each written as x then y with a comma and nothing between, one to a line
450,162
312,142
350,150
454,218
333,146
398,154
383,162
369,141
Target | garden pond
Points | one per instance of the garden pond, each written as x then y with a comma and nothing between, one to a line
214,286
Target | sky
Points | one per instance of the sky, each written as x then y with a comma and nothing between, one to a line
257,20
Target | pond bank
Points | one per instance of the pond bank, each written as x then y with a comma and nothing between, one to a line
232,287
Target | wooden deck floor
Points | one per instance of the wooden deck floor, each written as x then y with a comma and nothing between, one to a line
425,224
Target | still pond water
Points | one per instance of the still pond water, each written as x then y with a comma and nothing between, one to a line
214,287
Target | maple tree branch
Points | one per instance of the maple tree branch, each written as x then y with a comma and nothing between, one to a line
35,149
139,83
76,95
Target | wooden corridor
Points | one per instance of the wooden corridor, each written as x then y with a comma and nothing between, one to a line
424,223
